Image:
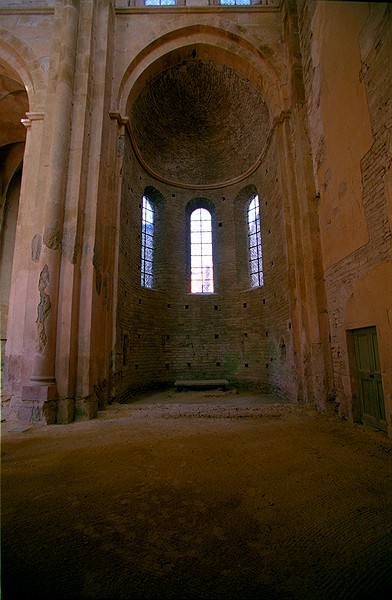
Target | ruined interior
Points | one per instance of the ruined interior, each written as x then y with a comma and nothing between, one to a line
213,107
129,128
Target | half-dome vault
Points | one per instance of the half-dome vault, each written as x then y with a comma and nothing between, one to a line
199,123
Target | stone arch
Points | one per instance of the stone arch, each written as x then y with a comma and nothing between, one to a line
235,62
24,87
155,195
219,43
25,66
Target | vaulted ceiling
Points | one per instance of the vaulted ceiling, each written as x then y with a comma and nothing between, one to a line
199,122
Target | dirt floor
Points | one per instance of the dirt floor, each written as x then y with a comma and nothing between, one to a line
197,495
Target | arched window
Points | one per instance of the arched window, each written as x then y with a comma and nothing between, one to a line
160,2
236,2
254,244
147,262
201,267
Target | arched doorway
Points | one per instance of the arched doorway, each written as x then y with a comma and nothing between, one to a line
13,107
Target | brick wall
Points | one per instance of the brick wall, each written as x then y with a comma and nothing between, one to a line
237,333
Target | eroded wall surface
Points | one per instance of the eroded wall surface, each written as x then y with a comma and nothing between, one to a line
346,52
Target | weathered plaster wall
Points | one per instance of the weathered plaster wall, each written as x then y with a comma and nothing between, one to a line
33,30
346,49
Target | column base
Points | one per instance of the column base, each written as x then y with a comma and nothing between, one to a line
65,410
39,404
85,409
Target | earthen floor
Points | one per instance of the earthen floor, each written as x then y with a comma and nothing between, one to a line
197,495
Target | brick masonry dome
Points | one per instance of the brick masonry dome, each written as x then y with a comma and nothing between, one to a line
200,123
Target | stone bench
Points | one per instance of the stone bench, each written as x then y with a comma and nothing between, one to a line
201,384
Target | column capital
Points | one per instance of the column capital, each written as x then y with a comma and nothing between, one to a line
119,118
32,116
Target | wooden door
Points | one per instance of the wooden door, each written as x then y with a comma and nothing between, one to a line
369,378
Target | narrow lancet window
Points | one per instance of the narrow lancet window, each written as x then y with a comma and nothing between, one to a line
202,272
254,244
147,261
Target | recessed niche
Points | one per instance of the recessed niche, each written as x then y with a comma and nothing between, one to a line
169,306
216,336
186,306
140,301
216,307
218,364
244,305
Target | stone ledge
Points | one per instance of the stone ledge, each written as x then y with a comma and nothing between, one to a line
201,383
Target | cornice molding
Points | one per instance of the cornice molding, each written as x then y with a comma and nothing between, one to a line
118,117
209,186
195,9
27,10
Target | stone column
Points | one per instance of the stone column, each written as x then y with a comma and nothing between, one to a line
307,294
42,392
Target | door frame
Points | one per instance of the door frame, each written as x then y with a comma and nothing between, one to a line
375,378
